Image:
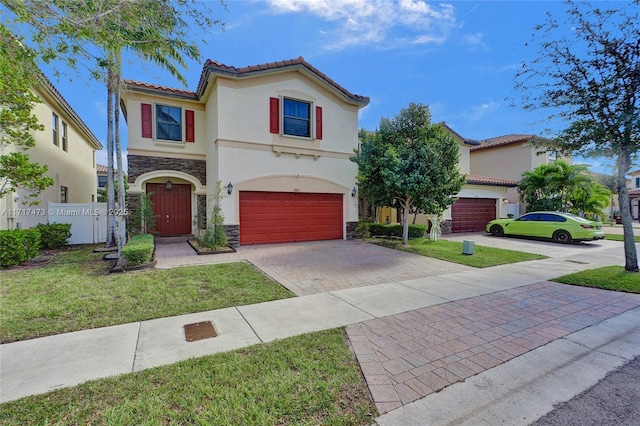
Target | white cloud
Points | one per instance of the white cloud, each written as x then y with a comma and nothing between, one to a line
478,112
474,40
360,22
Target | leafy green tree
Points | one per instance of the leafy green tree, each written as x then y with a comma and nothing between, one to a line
410,164
153,30
18,77
564,187
589,78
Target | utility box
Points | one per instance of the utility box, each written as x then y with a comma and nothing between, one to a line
467,247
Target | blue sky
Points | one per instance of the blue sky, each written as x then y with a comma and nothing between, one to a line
458,57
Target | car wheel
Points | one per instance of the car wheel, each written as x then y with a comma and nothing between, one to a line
497,231
562,237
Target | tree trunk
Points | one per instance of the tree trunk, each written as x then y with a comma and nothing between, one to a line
122,230
405,221
111,220
630,254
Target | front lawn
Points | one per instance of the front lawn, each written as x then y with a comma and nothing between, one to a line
451,251
607,278
75,292
302,380
620,237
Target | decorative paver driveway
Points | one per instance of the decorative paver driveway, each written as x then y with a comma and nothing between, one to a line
319,266
407,356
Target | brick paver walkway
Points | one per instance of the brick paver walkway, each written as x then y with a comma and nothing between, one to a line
407,356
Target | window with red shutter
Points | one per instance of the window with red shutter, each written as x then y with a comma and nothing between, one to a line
147,125
190,126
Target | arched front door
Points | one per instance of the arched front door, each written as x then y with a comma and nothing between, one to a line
171,208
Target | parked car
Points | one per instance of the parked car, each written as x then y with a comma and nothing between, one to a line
561,227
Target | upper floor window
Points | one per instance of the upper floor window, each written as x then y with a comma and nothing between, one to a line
102,181
54,125
296,118
65,146
638,182
64,194
168,123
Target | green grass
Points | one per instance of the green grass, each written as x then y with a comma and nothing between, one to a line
304,380
607,278
75,292
451,251
620,237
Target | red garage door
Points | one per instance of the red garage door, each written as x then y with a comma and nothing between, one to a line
472,214
283,217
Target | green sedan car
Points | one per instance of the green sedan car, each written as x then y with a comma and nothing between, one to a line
561,227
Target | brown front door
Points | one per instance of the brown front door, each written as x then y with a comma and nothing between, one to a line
171,208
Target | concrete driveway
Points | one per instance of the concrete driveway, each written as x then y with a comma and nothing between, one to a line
318,266
546,248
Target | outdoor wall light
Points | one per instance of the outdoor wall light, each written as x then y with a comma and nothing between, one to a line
354,191
504,200
168,184
229,188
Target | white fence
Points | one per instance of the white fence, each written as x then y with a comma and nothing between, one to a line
88,220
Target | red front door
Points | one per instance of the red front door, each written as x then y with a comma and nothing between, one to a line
171,208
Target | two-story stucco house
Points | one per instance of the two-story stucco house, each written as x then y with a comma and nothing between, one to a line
482,198
634,194
278,136
68,147
508,157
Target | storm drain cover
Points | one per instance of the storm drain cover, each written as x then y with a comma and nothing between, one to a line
199,331
577,261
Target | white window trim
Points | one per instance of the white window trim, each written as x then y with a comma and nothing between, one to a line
154,123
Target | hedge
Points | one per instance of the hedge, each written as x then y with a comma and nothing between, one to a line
139,250
18,245
395,230
54,235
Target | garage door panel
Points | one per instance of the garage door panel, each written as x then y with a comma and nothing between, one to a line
269,217
472,214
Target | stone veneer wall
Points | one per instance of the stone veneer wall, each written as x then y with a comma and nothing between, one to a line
446,226
132,201
351,230
139,164
233,235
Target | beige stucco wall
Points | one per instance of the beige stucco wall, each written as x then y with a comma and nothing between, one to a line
74,168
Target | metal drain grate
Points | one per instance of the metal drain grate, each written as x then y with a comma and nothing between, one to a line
577,261
199,331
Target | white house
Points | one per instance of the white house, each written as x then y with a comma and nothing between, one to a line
277,135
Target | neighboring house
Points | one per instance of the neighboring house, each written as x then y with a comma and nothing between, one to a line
482,198
68,148
101,172
508,157
278,136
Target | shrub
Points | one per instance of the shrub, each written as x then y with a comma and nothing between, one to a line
139,250
18,245
54,235
395,230
215,235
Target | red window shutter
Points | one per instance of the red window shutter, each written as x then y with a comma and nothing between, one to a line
190,126
146,120
318,122
274,115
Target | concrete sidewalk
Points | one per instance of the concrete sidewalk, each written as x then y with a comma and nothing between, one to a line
40,365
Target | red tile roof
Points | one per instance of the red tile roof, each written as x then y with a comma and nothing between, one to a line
465,140
634,192
215,67
103,169
158,88
503,141
483,180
